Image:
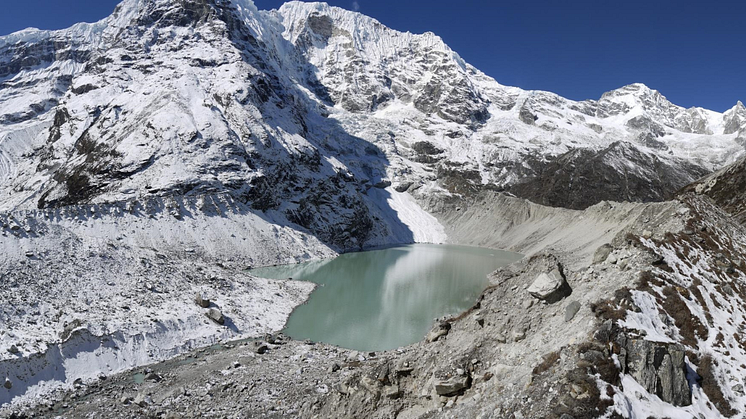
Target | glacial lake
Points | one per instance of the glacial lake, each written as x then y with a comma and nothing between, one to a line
385,299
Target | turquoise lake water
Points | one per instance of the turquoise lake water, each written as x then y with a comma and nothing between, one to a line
384,299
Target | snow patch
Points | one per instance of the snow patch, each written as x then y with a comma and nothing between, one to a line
423,226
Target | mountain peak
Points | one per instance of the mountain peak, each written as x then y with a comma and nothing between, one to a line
738,108
363,31
174,13
634,89
638,94
637,87
224,63
734,118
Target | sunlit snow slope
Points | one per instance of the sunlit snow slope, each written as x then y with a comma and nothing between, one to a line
310,104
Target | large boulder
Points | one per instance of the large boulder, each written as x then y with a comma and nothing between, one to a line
440,329
202,301
216,316
452,384
550,286
602,253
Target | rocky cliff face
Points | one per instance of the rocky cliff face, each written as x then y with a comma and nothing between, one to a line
621,171
364,66
186,98
734,119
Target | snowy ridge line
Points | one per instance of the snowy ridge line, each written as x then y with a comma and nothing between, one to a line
213,204
406,220
32,224
80,32
190,227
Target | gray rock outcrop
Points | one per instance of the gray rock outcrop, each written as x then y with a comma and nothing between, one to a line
556,184
371,384
571,310
452,384
392,392
260,348
659,367
526,116
734,118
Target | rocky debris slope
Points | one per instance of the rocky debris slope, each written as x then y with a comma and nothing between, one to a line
124,275
726,188
481,365
501,221
579,178
689,302
648,325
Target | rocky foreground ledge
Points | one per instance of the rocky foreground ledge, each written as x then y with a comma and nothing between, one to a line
614,332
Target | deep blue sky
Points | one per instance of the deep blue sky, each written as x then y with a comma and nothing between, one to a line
691,51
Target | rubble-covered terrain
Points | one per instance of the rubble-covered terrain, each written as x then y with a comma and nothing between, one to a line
85,295
645,325
149,159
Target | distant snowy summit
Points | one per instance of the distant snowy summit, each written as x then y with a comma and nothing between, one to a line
302,111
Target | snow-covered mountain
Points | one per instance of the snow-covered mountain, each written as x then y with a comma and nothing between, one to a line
296,108
473,132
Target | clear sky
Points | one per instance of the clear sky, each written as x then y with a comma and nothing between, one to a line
694,52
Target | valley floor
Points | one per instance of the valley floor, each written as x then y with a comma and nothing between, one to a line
512,355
